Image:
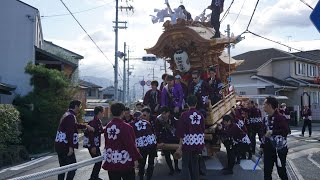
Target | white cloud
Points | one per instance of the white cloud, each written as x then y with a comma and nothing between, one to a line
271,17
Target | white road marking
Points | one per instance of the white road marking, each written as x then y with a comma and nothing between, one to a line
295,169
24,165
248,165
313,161
303,153
213,164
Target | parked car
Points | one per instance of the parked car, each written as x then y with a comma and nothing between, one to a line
88,116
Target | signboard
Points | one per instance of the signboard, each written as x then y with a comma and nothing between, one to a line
315,16
148,83
142,83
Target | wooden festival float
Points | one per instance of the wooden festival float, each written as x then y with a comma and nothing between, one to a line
187,46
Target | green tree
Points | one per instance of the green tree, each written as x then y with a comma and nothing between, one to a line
42,108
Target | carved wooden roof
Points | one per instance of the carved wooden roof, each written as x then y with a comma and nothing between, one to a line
192,37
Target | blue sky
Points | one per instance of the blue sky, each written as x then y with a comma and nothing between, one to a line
276,19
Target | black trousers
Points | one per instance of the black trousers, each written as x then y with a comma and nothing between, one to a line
231,155
202,166
305,124
97,166
270,157
190,165
65,160
215,18
167,155
149,153
252,136
124,175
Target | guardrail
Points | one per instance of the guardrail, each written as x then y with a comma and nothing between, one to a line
60,170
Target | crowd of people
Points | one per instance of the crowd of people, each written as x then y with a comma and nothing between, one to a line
175,114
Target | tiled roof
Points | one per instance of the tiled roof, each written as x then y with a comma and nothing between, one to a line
312,55
254,59
88,84
276,81
61,52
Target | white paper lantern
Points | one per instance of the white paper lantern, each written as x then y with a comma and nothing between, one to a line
182,61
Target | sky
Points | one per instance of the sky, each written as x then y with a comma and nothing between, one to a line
286,21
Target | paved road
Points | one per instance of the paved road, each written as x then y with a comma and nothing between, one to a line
303,163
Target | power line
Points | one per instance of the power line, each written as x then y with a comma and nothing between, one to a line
265,38
77,12
227,11
239,12
254,10
86,33
268,39
306,4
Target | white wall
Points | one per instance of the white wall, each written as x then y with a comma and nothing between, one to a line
17,40
266,70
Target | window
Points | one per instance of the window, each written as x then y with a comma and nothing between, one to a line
242,93
300,68
312,70
314,97
92,92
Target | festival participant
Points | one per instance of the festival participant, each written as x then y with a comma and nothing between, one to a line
274,140
186,13
166,130
190,130
200,89
92,140
239,141
139,106
164,82
146,142
172,96
127,117
67,137
285,112
307,120
254,125
121,154
217,8
152,98
215,86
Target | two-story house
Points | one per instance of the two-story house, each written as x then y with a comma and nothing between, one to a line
21,42
20,35
92,90
276,72
108,93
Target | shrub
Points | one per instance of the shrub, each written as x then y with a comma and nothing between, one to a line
9,126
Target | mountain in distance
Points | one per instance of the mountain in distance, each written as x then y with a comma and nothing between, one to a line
103,82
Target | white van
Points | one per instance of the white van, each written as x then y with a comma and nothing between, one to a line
89,115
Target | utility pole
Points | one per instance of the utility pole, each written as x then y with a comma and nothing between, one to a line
142,90
164,67
116,54
229,54
124,74
152,73
229,46
116,28
128,72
